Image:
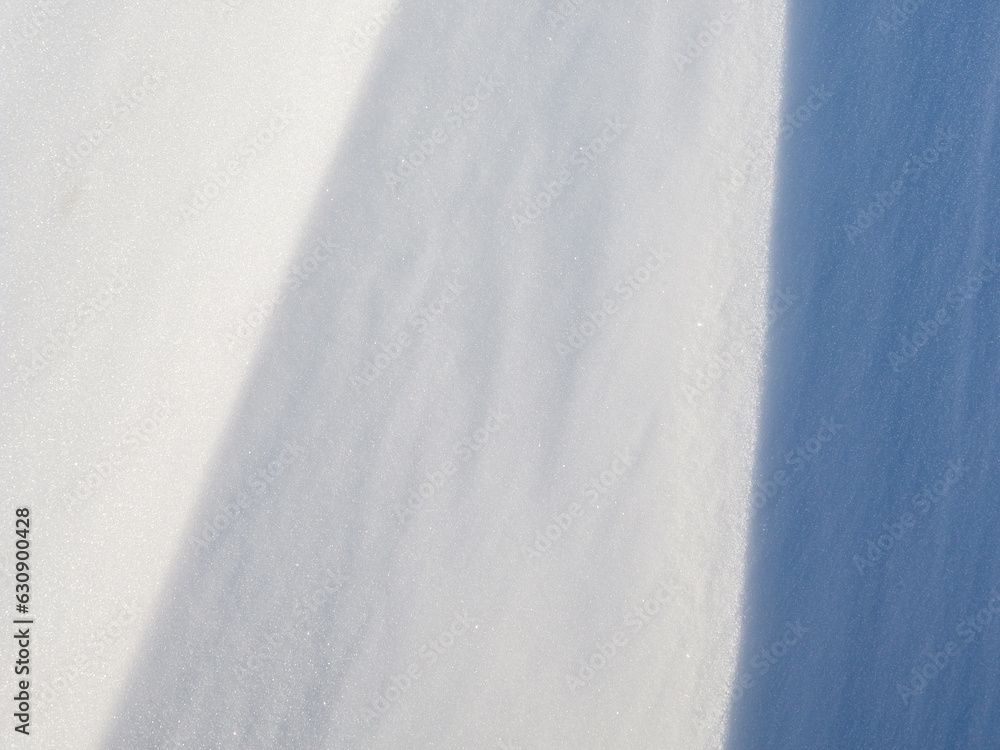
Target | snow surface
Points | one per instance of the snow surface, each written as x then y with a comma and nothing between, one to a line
229,551
883,544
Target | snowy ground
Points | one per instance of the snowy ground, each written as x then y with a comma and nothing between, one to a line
880,398
386,375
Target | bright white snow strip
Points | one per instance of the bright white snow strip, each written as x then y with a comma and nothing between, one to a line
180,90
545,467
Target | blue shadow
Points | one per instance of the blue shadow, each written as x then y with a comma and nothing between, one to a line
871,619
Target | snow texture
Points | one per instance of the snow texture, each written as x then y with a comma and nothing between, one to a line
390,375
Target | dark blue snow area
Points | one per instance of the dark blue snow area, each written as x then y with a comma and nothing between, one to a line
873,589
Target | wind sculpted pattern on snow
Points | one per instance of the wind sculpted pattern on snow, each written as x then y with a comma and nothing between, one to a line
415,498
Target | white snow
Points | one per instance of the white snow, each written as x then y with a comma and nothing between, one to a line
224,339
